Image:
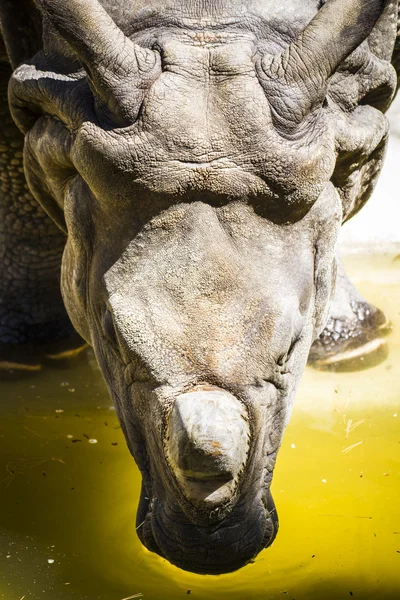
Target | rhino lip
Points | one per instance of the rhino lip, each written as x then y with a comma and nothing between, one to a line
165,530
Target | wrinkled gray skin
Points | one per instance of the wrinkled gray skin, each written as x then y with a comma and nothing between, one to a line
201,168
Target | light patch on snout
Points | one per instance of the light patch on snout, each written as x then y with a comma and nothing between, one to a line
208,440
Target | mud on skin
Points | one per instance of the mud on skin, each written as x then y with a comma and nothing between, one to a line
200,158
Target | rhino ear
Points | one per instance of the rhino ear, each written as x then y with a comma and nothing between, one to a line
113,63
374,82
21,29
308,63
334,33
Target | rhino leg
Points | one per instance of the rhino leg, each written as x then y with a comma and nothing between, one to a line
354,337
33,321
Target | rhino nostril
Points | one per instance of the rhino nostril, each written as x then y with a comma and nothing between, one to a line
209,492
208,443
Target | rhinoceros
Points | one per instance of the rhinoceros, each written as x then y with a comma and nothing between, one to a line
186,166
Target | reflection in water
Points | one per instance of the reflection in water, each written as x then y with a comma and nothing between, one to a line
69,488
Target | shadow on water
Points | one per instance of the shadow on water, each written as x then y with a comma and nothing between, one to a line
69,488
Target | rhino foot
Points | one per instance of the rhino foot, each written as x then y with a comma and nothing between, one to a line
355,335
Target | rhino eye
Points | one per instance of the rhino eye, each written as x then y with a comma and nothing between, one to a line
109,328
286,356
136,372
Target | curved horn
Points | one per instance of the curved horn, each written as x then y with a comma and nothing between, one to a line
339,27
336,31
107,55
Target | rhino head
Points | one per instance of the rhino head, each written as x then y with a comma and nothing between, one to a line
201,170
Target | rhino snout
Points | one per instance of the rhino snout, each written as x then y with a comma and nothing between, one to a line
208,441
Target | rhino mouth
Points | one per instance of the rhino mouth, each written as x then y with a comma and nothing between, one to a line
214,549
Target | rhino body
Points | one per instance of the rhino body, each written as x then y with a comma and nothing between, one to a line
198,159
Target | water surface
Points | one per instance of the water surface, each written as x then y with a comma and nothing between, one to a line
69,488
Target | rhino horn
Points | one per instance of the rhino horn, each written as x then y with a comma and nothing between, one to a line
208,444
339,27
108,56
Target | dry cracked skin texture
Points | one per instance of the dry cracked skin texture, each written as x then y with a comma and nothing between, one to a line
201,156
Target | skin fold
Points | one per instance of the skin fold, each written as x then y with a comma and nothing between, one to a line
200,158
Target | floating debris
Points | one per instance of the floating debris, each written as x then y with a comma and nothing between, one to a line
345,450
323,480
59,410
50,561
140,595
352,426
32,431
293,446
92,441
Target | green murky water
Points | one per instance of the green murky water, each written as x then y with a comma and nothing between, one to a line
69,488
